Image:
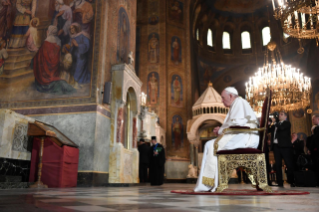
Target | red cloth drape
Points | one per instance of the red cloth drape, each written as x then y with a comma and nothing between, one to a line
46,63
59,164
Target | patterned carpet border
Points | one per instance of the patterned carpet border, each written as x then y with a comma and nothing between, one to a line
248,192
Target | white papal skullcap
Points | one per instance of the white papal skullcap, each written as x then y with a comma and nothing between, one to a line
232,90
60,1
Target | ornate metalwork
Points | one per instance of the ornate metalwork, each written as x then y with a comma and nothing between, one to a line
298,17
254,165
290,89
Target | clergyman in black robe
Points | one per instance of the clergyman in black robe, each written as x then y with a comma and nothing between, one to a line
157,162
144,150
298,148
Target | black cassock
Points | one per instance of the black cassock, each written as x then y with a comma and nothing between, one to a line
156,169
313,146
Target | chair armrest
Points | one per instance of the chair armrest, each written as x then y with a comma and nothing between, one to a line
239,127
242,130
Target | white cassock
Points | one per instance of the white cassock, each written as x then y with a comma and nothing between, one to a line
240,114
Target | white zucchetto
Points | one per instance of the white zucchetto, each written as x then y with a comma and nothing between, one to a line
232,90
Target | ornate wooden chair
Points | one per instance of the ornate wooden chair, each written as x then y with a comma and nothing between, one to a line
252,160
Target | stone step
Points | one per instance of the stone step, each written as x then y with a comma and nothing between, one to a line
26,57
16,75
17,70
15,66
18,51
20,55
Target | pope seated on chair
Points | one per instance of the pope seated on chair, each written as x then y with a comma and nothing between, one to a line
240,114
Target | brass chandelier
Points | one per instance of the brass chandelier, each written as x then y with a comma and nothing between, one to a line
290,89
299,18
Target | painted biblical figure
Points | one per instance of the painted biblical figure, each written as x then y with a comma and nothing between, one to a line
25,12
153,20
32,42
120,125
46,63
176,50
63,19
227,79
123,36
177,132
153,88
78,47
52,39
176,91
6,18
208,71
153,48
83,14
176,11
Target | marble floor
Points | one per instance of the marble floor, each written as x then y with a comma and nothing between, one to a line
146,198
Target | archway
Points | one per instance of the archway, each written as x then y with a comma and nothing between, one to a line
130,112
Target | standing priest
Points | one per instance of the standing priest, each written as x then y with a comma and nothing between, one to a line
240,114
157,161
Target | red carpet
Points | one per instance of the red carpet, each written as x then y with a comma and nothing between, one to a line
247,192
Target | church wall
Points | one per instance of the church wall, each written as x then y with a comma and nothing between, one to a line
91,131
80,128
176,170
102,143
164,68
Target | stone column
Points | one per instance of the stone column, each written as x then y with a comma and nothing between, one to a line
192,154
196,156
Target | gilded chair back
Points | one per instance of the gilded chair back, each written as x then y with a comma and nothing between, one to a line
264,121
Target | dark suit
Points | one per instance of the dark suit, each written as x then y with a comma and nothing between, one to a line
271,130
272,172
144,150
283,150
298,149
313,147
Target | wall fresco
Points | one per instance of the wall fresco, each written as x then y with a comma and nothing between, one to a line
123,36
49,48
177,132
153,48
176,50
153,88
175,11
176,91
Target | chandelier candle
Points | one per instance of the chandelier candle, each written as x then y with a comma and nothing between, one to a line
291,90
